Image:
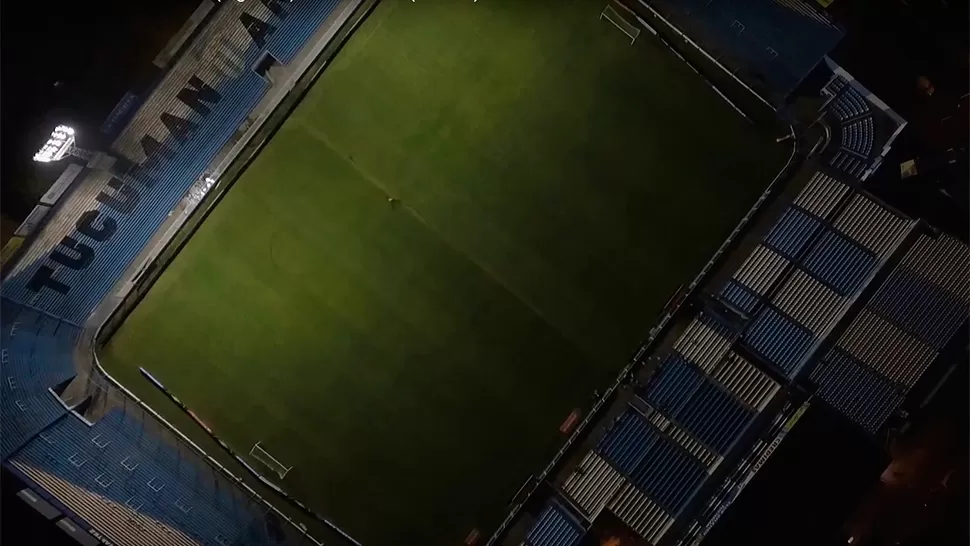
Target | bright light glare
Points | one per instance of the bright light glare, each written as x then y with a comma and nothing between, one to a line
57,146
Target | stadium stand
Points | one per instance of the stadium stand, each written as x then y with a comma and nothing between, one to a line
37,356
555,527
112,471
772,44
709,412
863,397
173,138
866,126
118,473
719,396
840,301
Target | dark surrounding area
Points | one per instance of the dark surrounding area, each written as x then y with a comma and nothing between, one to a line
822,486
807,488
922,497
828,481
71,64
22,525
896,49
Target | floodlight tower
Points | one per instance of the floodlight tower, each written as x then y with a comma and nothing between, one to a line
61,143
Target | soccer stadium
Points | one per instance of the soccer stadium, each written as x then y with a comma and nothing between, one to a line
343,271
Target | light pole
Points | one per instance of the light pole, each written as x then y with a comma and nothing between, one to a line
60,144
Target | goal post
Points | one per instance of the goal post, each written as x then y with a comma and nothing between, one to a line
631,30
270,462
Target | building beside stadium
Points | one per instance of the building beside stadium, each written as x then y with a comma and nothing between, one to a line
822,294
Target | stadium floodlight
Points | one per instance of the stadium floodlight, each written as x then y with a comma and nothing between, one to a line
57,146
60,144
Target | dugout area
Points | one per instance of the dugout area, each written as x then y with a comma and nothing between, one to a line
469,223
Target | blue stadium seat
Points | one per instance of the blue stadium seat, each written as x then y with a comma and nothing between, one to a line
25,415
682,393
778,339
127,468
861,103
37,355
868,134
773,41
655,464
919,307
841,108
672,384
302,20
792,231
714,416
178,171
839,263
668,474
849,164
627,441
849,104
858,136
555,526
862,395
108,460
740,296
835,85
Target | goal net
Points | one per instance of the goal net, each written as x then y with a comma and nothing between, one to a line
631,30
270,462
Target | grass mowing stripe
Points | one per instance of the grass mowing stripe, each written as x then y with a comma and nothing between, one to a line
414,363
322,137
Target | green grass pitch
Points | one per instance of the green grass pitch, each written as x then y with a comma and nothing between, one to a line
413,360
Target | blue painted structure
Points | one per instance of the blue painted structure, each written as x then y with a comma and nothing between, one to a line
840,263
855,391
919,307
37,354
672,384
172,174
655,464
668,474
680,391
121,114
555,526
740,296
792,232
627,442
123,460
116,460
778,339
774,43
714,416
822,252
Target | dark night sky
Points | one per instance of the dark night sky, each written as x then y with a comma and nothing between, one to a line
97,49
